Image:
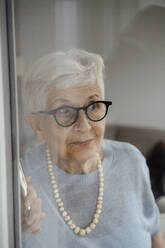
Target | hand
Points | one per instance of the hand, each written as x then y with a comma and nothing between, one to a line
31,220
158,240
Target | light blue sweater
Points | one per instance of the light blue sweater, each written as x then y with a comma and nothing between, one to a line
129,216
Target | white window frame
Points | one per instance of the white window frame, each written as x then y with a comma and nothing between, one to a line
10,233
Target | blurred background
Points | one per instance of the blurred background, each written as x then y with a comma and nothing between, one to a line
130,37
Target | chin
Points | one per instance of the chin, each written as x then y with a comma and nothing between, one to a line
83,153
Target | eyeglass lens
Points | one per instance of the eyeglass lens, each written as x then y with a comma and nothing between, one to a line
66,116
96,111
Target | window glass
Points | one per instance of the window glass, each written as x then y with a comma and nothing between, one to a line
62,110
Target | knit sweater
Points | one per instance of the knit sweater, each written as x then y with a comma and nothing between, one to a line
129,214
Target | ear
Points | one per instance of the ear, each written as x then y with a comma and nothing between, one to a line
34,122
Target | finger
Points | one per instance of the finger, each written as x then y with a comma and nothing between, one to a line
31,195
35,227
38,231
35,212
28,178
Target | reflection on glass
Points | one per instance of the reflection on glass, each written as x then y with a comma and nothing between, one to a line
84,190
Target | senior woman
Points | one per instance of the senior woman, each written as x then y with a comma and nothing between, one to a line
93,192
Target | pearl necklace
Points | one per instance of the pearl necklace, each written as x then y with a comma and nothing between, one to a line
67,218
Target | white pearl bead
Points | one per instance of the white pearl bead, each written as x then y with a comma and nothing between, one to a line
57,195
101,179
60,204
100,200
88,229
95,221
101,184
100,203
72,226
96,215
55,186
98,211
77,229
67,218
82,232
101,193
69,222
99,206
101,189
64,213
61,209
58,200
92,226
101,174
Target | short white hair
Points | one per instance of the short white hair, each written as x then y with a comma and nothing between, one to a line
60,70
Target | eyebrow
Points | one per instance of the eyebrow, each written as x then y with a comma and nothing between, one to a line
68,101
91,97
62,99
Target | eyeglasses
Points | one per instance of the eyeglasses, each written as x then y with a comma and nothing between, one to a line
66,116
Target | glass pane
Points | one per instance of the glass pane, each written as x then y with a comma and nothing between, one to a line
60,49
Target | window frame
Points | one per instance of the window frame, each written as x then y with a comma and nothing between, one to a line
10,230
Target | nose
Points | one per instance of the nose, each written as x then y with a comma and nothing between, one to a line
83,123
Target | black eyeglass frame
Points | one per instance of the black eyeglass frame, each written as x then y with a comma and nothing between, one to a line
53,112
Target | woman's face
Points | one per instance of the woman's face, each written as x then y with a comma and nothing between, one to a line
84,138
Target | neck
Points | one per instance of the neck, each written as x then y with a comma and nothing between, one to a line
74,166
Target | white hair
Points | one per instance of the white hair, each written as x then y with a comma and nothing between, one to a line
60,70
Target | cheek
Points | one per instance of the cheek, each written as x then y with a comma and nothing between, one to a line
99,130
55,135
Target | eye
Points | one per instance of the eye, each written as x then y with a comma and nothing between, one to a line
94,106
64,111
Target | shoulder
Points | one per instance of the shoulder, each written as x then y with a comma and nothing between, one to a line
122,148
126,156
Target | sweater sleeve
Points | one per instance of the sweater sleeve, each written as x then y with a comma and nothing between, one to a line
150,216
150,209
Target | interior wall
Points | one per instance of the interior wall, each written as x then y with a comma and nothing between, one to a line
135,71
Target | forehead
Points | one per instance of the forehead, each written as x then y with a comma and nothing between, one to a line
75,95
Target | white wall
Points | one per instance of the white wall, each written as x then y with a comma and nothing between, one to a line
135,73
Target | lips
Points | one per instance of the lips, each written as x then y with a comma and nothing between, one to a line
84,142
